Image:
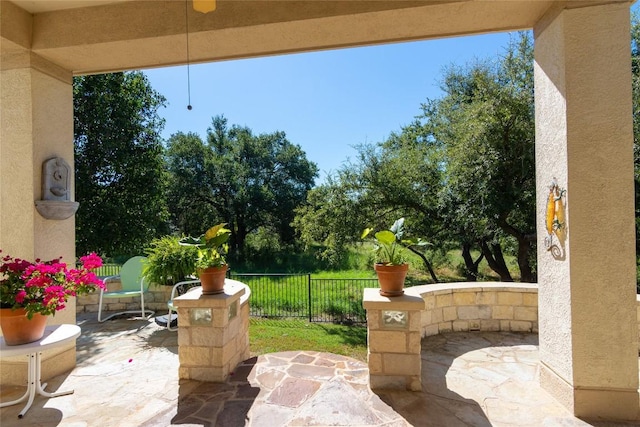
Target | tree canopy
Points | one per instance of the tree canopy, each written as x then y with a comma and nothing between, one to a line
463,172
485,121
249,181
119,168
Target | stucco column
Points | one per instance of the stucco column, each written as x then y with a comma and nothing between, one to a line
587,313
36,123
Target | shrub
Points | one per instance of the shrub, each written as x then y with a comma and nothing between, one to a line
169,262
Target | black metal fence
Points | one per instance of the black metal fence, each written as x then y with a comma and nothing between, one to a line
300,296
279,296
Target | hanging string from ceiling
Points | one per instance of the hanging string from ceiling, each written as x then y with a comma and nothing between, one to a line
186,20
203,6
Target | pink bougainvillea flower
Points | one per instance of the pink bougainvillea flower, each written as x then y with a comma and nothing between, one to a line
91,261
45,287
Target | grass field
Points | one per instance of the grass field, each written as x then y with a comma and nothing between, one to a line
334,297
270,336
300,296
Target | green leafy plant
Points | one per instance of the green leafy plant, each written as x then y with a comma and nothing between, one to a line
169,262
212,246
389,244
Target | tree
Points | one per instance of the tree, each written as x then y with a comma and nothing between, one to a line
247,181
398,178
118,163
189,194
485,121
462,172
330,217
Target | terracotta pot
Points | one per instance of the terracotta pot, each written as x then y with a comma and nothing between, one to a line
212,279
18,329
391,279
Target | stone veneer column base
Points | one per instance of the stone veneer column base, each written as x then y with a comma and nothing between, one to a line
213,332
591,403
393,332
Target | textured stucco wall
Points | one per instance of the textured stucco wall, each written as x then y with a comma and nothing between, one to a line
36,122
551,162
584,140
140,34
16,165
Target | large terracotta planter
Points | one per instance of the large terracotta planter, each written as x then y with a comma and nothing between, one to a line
18,329
212,279
391,279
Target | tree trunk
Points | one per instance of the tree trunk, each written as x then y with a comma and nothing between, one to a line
524,249
427,264
471,266
495,259
238,237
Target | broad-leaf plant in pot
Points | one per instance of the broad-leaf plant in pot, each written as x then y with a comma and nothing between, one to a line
211,265
390,266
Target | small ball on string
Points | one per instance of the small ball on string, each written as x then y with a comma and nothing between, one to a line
189,107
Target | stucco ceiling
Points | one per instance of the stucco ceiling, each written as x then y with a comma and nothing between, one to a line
93,36
39,6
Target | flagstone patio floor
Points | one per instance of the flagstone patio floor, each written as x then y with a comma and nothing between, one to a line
127,375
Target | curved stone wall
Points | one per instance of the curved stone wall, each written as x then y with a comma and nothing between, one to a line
155,298
456,307
396,325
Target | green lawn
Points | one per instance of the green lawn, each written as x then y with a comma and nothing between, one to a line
270,336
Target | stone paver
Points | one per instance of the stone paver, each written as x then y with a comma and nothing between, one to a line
482,379
127,376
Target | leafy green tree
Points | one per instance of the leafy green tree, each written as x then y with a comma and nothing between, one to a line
248,181
331,218
398,178
192,205
485,121
462,172
119,168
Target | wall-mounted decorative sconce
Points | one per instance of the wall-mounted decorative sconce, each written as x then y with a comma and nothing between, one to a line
56,190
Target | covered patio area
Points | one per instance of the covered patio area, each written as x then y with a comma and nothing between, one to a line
588,332
127,375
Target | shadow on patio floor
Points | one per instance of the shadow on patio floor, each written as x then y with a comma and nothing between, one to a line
127,375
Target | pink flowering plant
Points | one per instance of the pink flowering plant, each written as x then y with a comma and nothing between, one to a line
45,287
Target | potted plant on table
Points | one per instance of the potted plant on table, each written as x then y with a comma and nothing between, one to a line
390,265
211,265
30,291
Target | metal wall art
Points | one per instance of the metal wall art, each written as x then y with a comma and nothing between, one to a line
555,220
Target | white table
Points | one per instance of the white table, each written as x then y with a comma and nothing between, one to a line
54,336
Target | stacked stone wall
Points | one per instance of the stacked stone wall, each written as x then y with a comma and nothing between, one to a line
469,307
155,298
213,332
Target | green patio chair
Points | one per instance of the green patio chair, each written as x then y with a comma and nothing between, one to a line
133,285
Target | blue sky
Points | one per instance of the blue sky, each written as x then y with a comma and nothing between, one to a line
327,102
